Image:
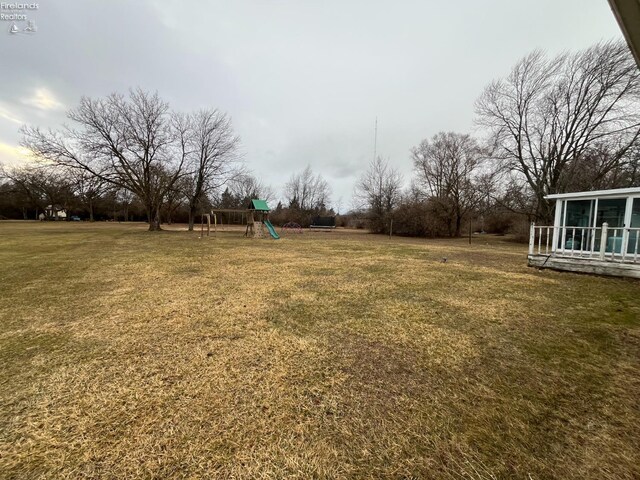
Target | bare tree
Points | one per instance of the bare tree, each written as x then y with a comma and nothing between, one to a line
599,170
448,170
212,154
379,190
307,191
13,197
88,188
125,199
173,200
548,115
244,187
127,142
43,185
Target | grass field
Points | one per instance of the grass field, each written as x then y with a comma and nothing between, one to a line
128,354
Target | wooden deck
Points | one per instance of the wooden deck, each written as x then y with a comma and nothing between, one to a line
585,265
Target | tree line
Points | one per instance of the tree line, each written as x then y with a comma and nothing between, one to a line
131,157
552,125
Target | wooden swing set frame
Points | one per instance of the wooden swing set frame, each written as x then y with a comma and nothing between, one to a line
207,217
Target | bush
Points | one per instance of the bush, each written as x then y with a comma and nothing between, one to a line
419,219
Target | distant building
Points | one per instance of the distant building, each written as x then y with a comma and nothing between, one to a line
55,212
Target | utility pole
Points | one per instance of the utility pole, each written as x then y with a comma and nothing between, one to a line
375,140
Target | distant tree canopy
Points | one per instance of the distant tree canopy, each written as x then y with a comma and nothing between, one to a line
28,191
448,171
552,125
211,158
307,191
379,191
137,144
40,187
241,190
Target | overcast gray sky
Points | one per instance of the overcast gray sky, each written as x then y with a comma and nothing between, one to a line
302,80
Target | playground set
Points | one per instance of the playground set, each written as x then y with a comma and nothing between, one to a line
257,219
292,227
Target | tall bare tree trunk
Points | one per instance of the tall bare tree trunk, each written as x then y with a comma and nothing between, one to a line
153,214
192,214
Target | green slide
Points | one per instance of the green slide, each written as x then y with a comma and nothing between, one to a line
272,230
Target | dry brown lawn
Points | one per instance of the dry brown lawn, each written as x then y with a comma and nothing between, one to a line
128,354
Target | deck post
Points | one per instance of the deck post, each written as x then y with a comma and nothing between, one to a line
532,237
603,240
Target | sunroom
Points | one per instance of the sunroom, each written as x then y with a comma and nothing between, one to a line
593,232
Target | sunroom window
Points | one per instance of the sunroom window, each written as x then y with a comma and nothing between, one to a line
633,244
611,211
578,214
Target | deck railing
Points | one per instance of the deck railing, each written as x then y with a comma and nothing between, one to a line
612,244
